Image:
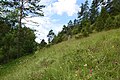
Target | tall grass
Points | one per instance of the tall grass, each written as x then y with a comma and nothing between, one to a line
93,58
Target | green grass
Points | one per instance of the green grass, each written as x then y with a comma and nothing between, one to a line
93,58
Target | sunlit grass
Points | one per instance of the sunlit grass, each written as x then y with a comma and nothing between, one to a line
93,58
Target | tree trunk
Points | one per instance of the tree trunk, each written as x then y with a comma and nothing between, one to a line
19,29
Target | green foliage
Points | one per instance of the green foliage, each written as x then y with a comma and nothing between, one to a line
76,22
85,34
101,20
94,11
70,24
29,44
75,30
109,23
116,21
15,10
84,13
65,34
113,7
78,36
50,36
9,48
42,44
16,41
4,28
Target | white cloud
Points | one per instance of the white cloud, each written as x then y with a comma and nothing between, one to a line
43,26
68,6
64,6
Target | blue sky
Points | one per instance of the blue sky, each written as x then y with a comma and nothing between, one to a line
56,14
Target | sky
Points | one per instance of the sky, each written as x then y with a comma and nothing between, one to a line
56,14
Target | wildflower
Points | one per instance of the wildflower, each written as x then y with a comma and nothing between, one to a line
85,65
113,46
90,72
60,67
76,75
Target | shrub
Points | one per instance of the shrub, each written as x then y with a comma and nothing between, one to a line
78,36
117,21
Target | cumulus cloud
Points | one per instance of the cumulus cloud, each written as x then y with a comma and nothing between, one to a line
65,6
60,7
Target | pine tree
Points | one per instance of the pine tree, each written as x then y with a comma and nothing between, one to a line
65,29
75,22
113,7
50,36
20,9
84,16
94,11
16,10
42,44
101,20
84,13
70,24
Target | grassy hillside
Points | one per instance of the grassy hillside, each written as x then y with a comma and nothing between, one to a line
93,58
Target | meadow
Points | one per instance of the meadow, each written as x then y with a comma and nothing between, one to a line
96,57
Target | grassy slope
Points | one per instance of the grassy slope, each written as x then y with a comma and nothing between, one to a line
93,58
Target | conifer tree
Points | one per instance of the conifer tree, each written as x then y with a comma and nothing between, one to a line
113,7
94,11
50,36
84,16
101,20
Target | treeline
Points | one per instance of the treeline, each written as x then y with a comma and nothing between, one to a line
99,16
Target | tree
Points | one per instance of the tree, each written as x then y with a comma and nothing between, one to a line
58,38
75,22
70,24
101,20
4,29
16,10
110,24
113,7
19,9
42,44
50,36
65,29
117,21
69,28
10,42
83,15
28,44
94,11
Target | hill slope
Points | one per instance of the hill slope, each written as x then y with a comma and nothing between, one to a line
93,58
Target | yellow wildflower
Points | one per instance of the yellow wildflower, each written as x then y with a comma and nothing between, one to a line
113,46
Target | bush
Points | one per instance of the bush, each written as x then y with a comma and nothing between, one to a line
85,34
109,23
78,36
117,21
17,44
